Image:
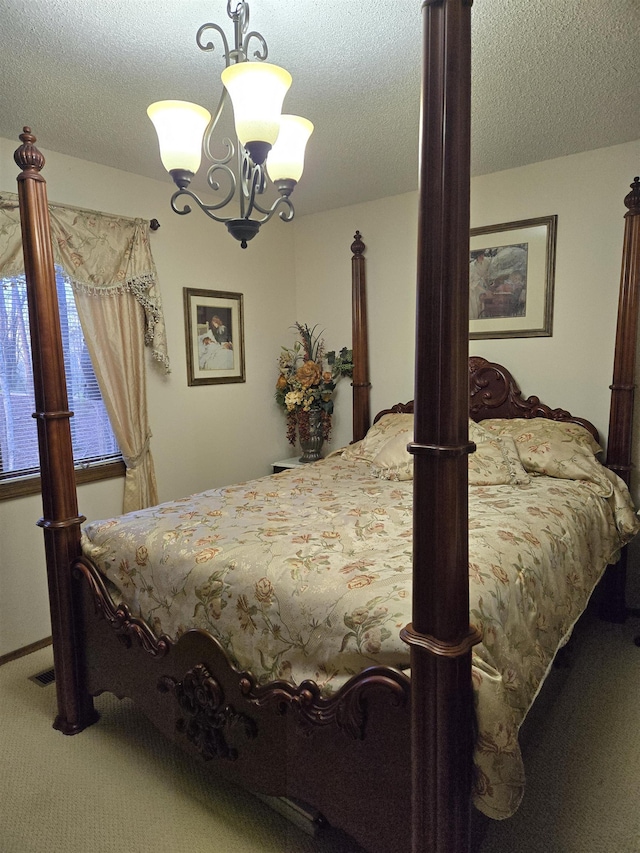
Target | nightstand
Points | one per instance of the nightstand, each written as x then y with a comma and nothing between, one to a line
283,464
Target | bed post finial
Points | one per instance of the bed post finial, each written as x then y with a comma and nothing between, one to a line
27,157
632,201
358,247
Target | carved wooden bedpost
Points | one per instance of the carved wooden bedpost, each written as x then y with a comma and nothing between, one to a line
440,637
360,383
619,444
60,521
620,439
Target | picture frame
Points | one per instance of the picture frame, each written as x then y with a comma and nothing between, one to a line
511,279
214,330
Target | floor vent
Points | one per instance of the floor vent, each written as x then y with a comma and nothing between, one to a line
44,678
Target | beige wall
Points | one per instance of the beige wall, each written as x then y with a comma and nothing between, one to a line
572,368
202,436
214,435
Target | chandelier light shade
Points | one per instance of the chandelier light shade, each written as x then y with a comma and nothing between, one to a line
180,127
268,144
257,91
286,158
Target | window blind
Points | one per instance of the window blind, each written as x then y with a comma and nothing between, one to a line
92,437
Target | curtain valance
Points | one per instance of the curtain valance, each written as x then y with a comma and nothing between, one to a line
102,254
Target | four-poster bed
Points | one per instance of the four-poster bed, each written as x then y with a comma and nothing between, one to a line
348,753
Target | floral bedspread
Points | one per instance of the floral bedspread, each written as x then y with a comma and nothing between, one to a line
307,574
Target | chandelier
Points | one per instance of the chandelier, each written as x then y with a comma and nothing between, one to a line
269,145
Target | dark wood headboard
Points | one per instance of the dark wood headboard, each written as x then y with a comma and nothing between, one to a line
494,393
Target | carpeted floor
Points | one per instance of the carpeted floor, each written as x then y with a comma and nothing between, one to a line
120,786
581,743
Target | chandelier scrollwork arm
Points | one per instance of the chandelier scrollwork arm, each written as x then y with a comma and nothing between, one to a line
205,208
254,184
281,202
262,53
252,181
209,46
287,214
242,39
206,140
229,175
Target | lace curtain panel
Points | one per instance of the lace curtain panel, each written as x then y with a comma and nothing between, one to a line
108,256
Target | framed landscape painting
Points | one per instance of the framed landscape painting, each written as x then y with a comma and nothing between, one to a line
511,279
214,332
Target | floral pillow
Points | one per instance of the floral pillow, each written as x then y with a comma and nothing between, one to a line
389,426
393,461
563,450
494,463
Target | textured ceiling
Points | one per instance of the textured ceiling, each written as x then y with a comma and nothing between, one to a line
550,78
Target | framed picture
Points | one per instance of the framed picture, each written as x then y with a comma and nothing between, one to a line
215,336
511,278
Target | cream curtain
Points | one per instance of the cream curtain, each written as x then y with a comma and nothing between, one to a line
113,332
109,262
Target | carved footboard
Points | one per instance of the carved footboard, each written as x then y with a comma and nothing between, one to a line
345,755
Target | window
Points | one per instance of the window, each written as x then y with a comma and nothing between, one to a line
95,450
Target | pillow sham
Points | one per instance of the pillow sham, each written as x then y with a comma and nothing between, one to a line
533,431
389,426
563,450
393,461
495,462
